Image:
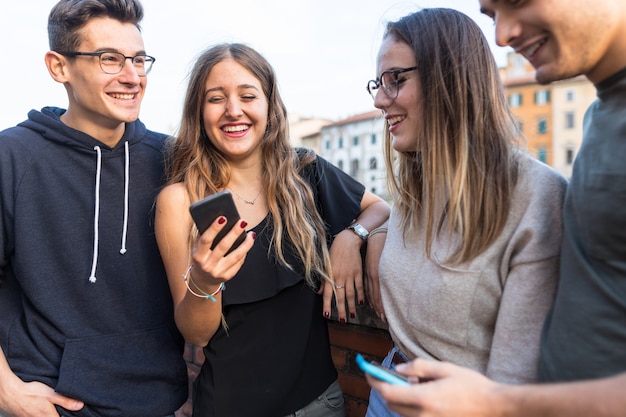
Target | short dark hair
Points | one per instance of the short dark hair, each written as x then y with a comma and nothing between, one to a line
67,17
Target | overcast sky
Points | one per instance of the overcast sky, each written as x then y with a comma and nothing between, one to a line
323,51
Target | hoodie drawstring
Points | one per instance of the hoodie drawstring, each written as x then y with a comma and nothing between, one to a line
96,217
126,178
92,276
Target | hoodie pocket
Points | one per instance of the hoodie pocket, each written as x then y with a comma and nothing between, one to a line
135,374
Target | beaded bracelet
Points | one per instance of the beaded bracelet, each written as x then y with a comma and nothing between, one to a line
187,278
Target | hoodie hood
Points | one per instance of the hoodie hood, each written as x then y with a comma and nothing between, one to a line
47,123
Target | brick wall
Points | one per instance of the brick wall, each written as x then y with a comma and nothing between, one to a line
346,341
366,335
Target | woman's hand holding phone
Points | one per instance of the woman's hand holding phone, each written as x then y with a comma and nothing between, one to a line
206,211
221,231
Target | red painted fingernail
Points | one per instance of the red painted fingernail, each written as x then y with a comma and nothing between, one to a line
243,224
342,321
221,220
253,235
352,315
326,314
361,302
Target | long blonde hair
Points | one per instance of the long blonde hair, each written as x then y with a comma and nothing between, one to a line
195,161
461,179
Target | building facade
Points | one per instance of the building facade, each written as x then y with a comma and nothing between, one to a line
355,145
303,131
532,105
551,116
571,98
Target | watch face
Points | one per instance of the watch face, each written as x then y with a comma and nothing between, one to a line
360,230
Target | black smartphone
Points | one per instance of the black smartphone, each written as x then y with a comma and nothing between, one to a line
204,212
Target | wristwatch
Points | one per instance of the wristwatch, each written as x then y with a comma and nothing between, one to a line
359,230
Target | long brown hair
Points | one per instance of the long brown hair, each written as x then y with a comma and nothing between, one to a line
196,162
461,179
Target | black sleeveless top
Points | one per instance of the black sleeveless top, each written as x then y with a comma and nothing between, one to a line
273,358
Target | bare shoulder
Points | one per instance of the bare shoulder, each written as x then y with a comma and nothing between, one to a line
173,202
174,194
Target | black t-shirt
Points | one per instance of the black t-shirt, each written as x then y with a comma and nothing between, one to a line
273,357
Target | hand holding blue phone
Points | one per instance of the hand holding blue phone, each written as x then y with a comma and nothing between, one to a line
380,372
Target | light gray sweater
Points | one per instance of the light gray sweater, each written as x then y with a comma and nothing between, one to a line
487,313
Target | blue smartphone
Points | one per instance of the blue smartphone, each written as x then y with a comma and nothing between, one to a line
380,372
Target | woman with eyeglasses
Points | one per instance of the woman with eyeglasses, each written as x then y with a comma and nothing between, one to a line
469,265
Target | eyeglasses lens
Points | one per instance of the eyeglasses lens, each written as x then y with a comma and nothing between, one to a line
389,82
112,63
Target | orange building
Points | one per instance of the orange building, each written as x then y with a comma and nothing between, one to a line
551,116
532,104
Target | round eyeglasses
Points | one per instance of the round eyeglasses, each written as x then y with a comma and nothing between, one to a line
113,62
390,82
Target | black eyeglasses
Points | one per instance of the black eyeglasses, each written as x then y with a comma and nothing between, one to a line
113,62
390,82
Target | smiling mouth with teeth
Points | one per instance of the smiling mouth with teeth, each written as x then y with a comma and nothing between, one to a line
530,51
233,129
395,120
123,96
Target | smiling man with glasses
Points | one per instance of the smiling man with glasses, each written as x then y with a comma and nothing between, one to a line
86,320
